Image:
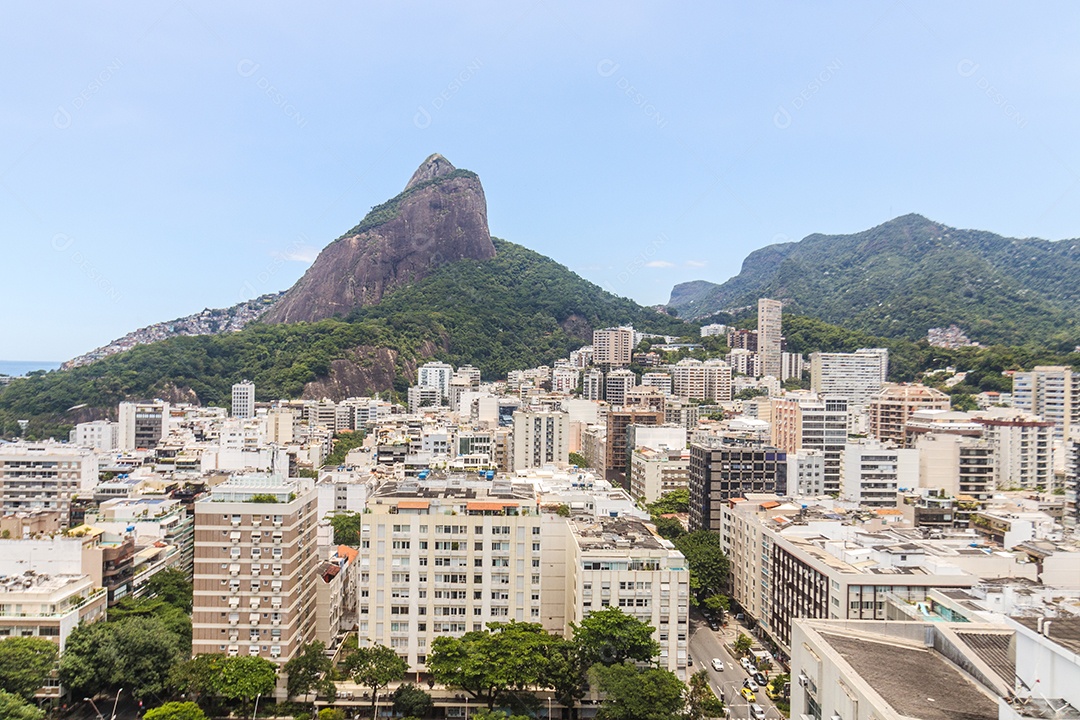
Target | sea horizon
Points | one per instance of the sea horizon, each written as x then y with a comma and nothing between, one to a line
17,368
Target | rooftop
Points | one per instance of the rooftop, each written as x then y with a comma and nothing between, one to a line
916,682
621,533
1065,631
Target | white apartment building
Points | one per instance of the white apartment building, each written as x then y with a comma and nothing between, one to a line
806,473
255,561
1023,451
540,437
770,336
436,375
744,362
613,347
792,365
45,476
956,464
99,435
243,399
871,473
592,385
565,379
616,383
697,380
421,396
856,376
806,420
659,380
1053,393
655,472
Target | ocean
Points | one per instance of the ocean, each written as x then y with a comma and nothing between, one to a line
16,368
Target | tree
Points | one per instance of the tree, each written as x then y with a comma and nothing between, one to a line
172,586
411,701
176,711
707,562
674,501
669,528
579,460
610,637
717,604
566,673
136,653
743,643
244,679
175,618
375,667
634,694
310,670
346,528
331,714
25,664
488,663
13,707
701,701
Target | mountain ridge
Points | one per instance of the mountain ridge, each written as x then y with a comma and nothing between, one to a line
902,277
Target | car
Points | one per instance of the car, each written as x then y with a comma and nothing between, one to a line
748,664
749,683
757,712
689,660
718,665
760,679
748,694
713,625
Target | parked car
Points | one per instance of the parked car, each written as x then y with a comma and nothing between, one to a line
713,625
757,712
748,694
718,665
749,683
748,664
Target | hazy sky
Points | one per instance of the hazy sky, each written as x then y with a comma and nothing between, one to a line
159,158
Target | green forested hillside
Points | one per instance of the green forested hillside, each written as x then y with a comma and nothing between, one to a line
908,275
516,310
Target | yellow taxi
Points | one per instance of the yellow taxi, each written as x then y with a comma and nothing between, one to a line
748,694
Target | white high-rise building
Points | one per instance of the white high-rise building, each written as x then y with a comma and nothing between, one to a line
243,400
540,437
871,473
770,336
100,435
697,380
592,385
856,376
617,383
659,380
142,425
436,375
744,362
44,476
1051,391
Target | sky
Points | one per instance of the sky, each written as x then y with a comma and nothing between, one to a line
158,158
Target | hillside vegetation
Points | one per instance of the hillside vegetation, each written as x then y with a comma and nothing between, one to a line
910,274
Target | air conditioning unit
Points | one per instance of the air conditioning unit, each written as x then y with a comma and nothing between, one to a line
803,679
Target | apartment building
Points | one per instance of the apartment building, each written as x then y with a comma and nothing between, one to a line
255,562
141,426
621,562
541,437
894,405
655,472
150,521
721,470
744,362
659,380
1023,451
592,385
856,376
956,464
243,400
697,380
447,556
617,383
99,435
770,336
617,448
45,476
806,473
808,421
1051,392
872,473
436,375
613,347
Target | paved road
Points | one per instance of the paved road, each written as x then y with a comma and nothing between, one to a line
705,644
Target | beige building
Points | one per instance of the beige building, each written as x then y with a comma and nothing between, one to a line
891,408
857,376
770,336
697,380
807,421
655,472
956,464
540,437
255,562
1051,392
45,476
613,347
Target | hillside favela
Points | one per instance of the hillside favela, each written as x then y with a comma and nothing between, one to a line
422,472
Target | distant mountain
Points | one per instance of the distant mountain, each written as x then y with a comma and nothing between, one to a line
908,275
510,308
207,322
440,217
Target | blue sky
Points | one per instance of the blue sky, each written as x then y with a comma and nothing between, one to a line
159,158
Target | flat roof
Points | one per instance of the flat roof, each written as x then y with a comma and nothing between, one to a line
916,682
1064,631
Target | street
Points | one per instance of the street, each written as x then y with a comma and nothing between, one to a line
706,644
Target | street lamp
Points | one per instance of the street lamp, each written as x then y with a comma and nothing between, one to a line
92,704
115,702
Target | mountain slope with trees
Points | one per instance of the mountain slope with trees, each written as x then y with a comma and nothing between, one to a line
910,274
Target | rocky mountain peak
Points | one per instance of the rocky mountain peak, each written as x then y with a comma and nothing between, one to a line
434,166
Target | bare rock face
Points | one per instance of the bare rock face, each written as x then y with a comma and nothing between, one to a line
439,218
